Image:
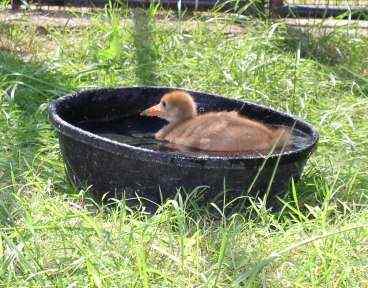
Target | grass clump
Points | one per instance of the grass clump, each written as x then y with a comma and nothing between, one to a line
52,235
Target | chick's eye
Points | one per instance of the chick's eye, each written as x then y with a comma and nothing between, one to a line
164,104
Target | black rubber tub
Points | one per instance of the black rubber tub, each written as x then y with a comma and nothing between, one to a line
120,170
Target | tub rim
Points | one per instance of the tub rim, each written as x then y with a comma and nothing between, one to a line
144,154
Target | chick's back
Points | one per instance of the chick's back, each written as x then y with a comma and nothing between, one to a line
222,131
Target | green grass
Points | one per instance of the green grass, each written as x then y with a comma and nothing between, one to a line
54,236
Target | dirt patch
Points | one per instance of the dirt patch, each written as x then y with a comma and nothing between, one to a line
77,18
46,18
324,26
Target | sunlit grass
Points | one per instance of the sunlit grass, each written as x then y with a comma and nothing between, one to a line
52,235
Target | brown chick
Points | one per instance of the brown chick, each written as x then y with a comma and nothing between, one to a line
213,131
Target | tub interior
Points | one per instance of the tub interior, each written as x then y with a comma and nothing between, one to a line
139,131
114,115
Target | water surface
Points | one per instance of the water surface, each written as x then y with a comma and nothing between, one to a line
139,131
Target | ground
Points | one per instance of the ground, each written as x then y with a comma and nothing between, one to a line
52,235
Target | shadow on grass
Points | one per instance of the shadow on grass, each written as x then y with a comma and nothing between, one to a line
333,46
145,52
335,50
28,158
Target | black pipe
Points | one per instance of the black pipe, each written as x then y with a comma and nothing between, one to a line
198,5
314,11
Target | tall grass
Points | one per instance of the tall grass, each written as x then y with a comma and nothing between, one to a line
52,235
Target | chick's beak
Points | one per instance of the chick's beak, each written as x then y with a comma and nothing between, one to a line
152,111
